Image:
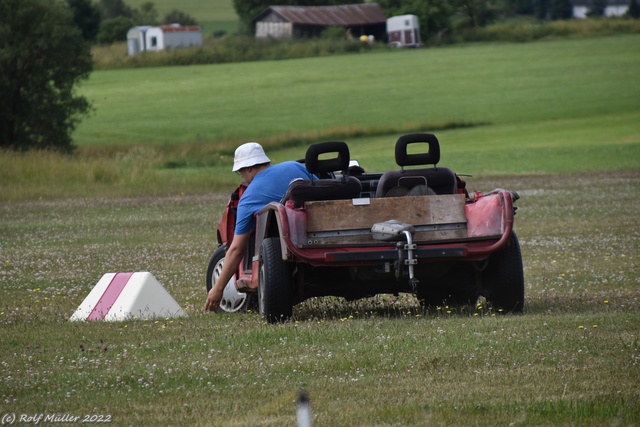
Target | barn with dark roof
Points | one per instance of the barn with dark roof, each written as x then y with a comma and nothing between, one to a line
287,22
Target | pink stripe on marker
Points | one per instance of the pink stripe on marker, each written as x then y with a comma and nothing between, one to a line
109,296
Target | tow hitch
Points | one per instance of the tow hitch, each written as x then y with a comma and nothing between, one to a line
394,230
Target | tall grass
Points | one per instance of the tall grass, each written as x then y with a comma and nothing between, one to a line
137,171
527,31
224,50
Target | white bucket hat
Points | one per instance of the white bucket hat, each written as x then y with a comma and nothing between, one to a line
249,154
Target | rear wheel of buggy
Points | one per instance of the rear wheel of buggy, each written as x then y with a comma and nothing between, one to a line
503,278
275,289
232,301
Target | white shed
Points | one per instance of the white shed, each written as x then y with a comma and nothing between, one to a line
136,42
172,36
404,31
146,38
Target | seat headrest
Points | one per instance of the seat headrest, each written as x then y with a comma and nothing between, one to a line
339,163
431,157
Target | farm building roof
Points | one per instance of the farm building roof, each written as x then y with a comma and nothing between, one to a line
344,15
178,28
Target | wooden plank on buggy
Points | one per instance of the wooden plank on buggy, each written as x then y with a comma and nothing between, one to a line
419,210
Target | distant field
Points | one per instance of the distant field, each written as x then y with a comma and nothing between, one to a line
509,84
212,15
547,98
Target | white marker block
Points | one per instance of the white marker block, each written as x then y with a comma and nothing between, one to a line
126,296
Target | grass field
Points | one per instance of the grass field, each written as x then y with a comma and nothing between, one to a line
557,121
573,358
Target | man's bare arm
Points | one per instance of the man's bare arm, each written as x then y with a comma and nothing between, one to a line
232,260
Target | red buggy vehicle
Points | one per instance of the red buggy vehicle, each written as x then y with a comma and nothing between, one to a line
356,234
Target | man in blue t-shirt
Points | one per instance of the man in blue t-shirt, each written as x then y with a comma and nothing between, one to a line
266,184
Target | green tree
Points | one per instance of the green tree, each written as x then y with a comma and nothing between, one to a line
434,16
42,58
597,8
541,8
118,18
115,29
247,10
179,17
478,13
147,14
110,9
560,9
634,9
520,7
86,16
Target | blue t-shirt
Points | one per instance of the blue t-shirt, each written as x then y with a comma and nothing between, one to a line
267,186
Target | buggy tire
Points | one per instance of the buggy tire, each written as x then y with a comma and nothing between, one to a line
275,288
232,301
503,278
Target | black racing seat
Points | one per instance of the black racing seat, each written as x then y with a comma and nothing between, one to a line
341,188
423,181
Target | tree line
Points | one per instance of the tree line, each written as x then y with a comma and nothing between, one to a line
45,51
441,17
107,21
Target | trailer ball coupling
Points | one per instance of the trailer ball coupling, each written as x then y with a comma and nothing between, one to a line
394,230
409,247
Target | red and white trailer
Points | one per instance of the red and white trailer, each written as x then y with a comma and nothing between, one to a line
404,31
